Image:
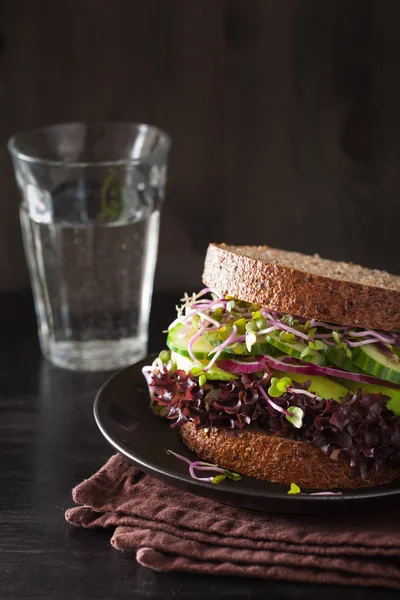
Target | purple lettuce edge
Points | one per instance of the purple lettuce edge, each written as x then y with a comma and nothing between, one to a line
359,429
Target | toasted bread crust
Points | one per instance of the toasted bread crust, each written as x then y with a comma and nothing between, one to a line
305,286
255,453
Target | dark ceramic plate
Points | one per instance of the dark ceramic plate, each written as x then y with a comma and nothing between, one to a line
122,412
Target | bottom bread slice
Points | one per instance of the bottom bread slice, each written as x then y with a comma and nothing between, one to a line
255,453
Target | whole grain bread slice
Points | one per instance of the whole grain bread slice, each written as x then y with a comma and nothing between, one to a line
304,285
255,453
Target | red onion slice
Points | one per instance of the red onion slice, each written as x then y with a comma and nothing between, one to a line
311,369
237,366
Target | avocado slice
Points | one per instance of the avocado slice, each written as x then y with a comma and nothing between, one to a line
394,394
324,387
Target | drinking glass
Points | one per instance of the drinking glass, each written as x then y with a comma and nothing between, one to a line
91,200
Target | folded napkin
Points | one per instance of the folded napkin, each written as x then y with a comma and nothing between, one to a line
171,530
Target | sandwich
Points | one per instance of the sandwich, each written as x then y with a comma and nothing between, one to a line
286,367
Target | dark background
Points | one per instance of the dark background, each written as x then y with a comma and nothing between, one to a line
285,116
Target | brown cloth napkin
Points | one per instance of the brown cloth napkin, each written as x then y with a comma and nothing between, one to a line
171,530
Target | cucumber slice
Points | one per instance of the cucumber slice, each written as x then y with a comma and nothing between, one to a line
261,347
324,387
214,374
179,336
338,357
296,349
178,341
371,360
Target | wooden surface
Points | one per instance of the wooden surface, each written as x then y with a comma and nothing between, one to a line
49,443
284,115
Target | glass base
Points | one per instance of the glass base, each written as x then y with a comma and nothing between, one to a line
96,355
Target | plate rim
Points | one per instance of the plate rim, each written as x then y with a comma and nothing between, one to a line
369,494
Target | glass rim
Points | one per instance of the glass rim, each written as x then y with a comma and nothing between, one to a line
14,140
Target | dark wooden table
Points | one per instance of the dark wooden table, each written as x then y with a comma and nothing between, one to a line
48,443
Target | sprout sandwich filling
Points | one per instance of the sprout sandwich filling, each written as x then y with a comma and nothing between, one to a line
231,364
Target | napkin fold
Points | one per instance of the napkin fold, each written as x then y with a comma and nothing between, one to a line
171,530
